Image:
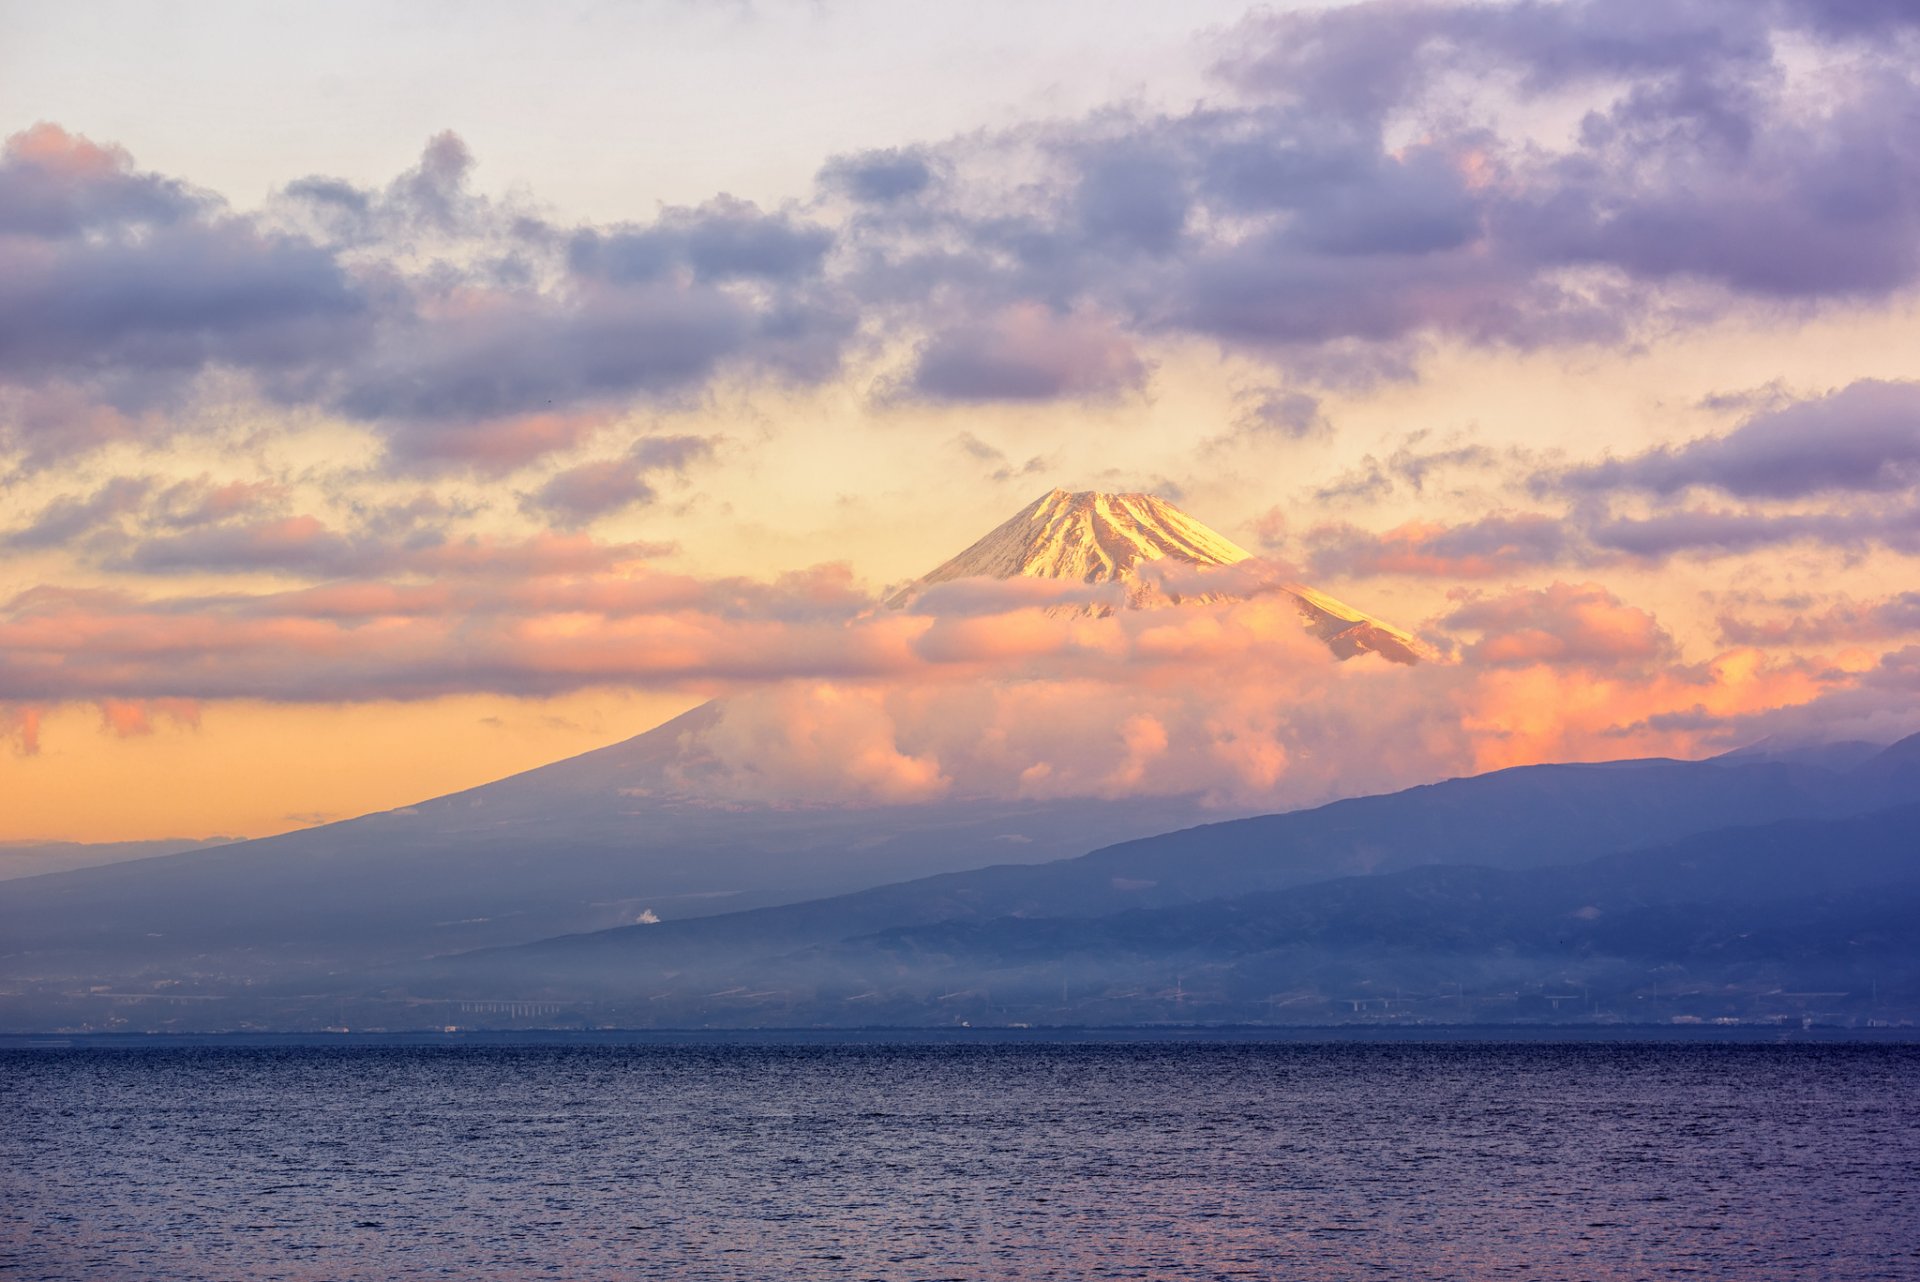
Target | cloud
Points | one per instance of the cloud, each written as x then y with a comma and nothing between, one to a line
1001,468
982,688
1840,470
1131,195
724,240
464,334
135,312
581,493
1026,353
71,517
1362,183
1565,623
1118,707
1864,438
1501,544
20,725
588,490
201,501
131,718
878,177
1724,532
1287,415
1296,222
1891,617
54,185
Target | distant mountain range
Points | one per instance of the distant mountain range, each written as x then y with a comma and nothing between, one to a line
1499,843
1735,889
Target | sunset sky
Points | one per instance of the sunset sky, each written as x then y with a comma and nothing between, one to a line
396,397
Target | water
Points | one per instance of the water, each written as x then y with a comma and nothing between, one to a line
990,1162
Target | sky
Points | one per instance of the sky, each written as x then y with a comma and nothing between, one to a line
396,397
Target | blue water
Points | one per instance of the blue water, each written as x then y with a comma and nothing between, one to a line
1149,1161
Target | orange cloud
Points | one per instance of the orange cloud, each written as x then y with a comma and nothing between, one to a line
127,718
21,725
1581,622
831,697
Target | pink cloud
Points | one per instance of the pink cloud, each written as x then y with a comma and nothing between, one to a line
1580,623
1500,544
128,718
21,725
500,445
830,697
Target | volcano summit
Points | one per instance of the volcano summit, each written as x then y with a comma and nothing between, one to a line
1143,543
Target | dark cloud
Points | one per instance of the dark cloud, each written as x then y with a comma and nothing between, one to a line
132,313
671,453
529,352
433,194
724,240
878,177
300,545
1363,484
1731,532
1000,466
71,516
1839,471
1410,464
54,186
1027,353
186,504
588,490
580,494
477,359
1856,17
1494,546
1279,412
1414,465
1361,62
127,508
1851,621
1355,194
1132,196
1295,226
1863,438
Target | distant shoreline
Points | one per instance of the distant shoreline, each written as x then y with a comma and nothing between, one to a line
1223,1035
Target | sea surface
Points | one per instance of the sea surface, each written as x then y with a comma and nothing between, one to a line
1054,1161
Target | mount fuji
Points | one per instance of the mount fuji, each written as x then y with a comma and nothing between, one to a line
1123,539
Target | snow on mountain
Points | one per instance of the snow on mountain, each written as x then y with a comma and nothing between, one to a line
1093,537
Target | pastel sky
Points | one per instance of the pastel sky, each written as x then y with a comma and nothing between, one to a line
394,397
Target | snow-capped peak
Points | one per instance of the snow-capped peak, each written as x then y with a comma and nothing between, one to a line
1090,537
1093,537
